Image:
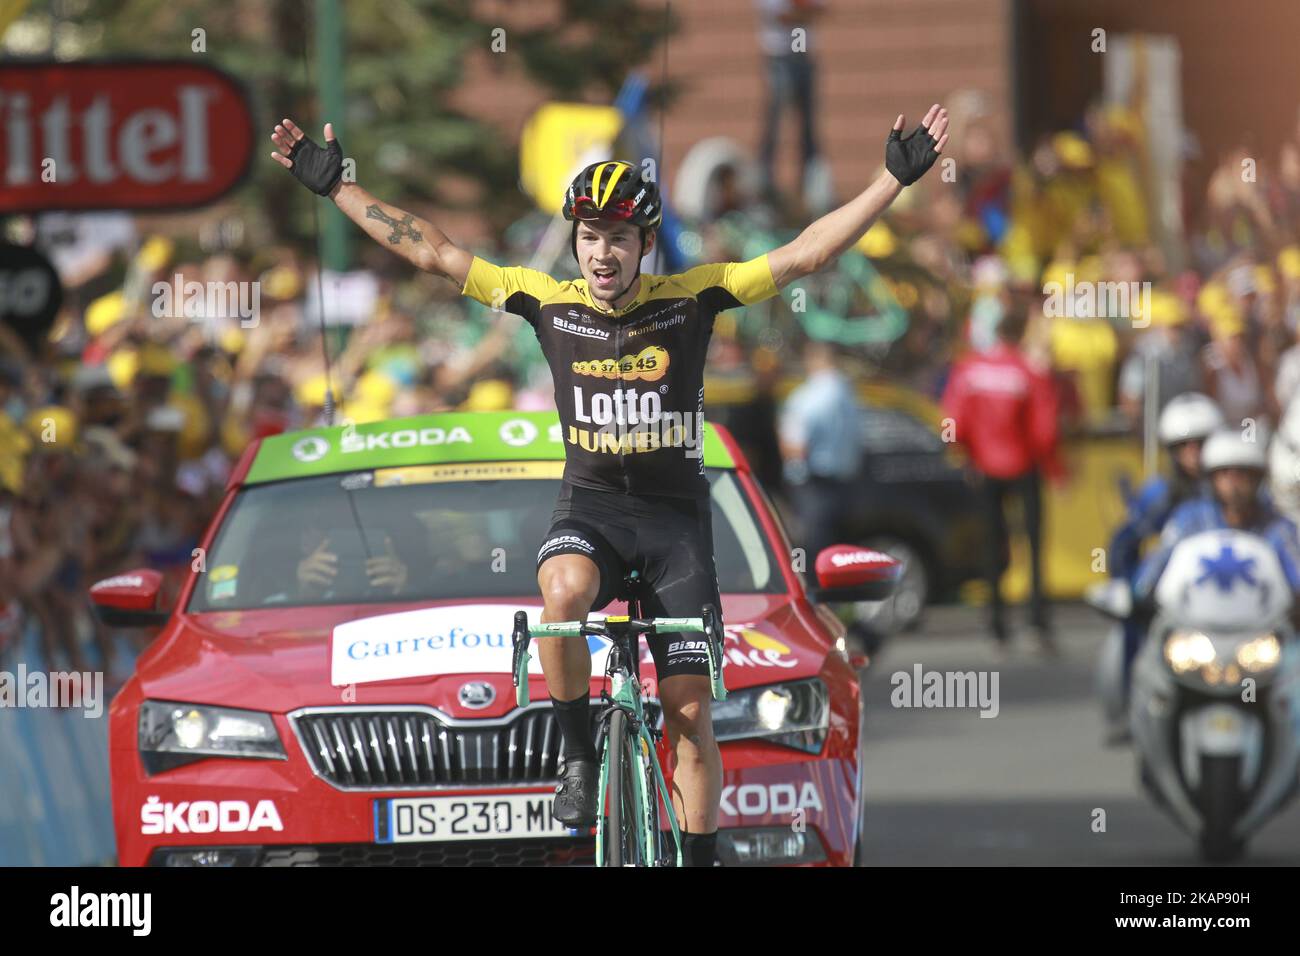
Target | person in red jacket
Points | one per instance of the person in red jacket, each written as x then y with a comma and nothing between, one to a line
1004,411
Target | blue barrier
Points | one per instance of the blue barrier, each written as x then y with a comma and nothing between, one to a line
55,807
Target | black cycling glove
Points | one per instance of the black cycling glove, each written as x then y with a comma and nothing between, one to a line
317,168
907,158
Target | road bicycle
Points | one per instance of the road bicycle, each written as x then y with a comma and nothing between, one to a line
632,788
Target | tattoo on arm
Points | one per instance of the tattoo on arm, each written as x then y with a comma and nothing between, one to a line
400,229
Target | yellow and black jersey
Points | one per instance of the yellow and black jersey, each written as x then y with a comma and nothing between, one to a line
629,385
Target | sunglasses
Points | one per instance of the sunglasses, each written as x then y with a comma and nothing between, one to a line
585,209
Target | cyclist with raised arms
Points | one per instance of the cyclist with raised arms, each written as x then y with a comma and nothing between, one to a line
627,353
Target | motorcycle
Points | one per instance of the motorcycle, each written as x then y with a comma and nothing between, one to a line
1214,702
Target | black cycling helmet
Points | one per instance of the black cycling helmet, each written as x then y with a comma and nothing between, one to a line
612,190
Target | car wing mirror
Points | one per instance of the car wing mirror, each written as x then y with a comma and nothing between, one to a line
130,599
847,573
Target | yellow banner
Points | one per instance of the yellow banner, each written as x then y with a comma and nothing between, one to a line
554,142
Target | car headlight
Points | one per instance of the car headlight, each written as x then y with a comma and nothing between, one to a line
1261,654
795,714
174,734
1187,651
768,846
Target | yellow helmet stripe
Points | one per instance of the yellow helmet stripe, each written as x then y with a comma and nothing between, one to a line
616,174
595,181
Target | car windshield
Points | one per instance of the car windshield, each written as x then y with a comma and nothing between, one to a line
412,535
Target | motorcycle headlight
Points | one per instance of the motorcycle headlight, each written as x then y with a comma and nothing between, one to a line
795,714
1261,654
173,734
1186,651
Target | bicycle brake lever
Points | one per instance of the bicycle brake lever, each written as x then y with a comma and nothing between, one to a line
713,633
519,653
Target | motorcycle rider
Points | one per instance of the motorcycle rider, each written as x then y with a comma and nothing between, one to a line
1235,468
1214,758
1185,422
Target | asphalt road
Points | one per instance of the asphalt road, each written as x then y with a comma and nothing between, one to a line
948,787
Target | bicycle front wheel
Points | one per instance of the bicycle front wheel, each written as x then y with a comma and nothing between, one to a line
624,812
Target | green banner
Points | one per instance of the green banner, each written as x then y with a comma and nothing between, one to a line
427,440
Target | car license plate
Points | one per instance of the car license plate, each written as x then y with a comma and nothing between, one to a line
509,816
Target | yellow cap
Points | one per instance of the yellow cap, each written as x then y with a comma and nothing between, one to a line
281,282
489,395
121,367
1213,297
375,388
232,341
878,242
1073,150
310,392
105,312
361,412
1165,309
155,253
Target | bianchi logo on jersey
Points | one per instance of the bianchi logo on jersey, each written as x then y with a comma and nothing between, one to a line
574,328
627,421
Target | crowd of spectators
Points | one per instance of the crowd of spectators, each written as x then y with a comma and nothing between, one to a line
118,430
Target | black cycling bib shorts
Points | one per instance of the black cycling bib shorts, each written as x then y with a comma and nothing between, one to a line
667,540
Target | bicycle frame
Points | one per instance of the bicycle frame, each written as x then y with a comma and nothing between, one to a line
626,695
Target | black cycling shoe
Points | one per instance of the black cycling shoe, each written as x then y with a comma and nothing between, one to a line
576,794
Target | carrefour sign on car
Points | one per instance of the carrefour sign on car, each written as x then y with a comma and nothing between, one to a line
465,639
124,135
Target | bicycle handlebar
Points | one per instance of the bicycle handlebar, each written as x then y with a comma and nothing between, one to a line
659,625
708,623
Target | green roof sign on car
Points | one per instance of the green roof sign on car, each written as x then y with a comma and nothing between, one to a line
427,439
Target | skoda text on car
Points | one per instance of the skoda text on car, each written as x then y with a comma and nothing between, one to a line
364,714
